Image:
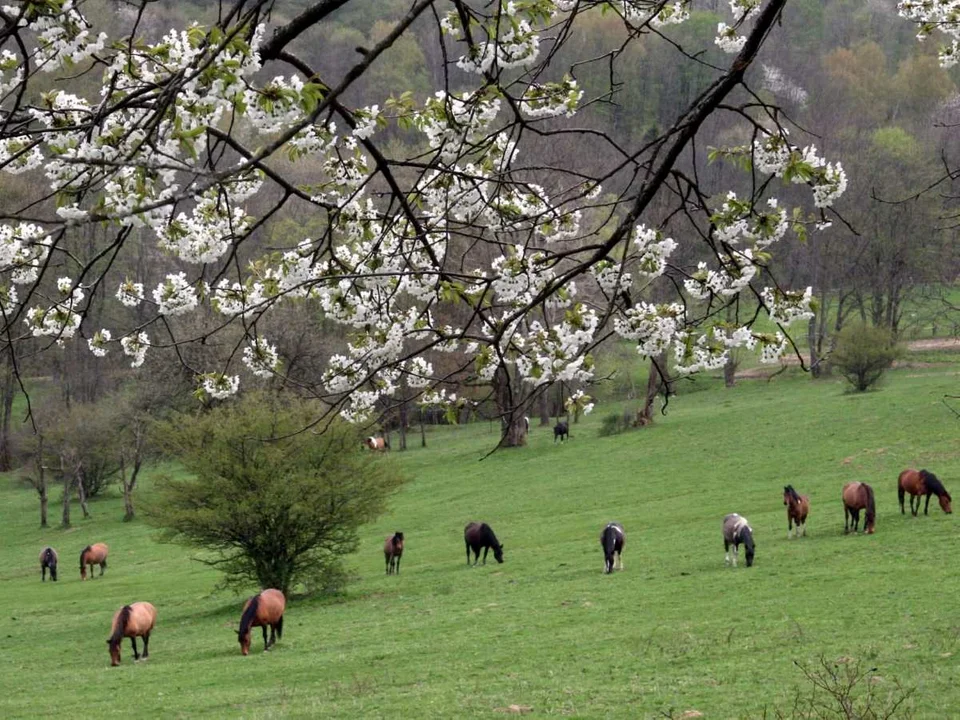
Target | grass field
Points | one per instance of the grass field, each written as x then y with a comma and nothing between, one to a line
675,631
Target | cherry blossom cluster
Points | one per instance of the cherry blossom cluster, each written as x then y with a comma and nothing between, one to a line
936,16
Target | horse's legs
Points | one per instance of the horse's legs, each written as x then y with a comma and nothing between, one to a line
468,553
845,513
273,634
856,519
146,642
388,560
133,643
396,569
926,506
266,645
790,525
103,566
486,549
620,559
43,573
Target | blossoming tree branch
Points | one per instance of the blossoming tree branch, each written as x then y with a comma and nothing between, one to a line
475,245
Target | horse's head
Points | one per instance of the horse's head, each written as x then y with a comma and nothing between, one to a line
114,652
749,547
244,642
498,553
944,499
786,494
83,572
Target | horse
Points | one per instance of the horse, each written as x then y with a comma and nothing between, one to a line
798,507
262,610
93,555
737,532
612,541
132,621
526,424
377,444
856,497
560,430
922,482
48,560
392,552
480,535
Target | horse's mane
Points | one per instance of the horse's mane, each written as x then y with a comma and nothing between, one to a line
82,553
792,493
396,539
122,620
746,536
486,532
871,506
933,484
249,614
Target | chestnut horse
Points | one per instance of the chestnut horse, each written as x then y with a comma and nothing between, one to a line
377,444
737,532
392,552
480,535
922,482
858,496
262,610
132,621
798,507
612,541
93,555
48,560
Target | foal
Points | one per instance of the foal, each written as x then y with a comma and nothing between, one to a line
798,507
392,552
612,541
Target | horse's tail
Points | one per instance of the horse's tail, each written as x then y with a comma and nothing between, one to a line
901,493
83,554
871,506
121,625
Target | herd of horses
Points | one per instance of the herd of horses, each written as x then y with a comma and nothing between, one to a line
265,610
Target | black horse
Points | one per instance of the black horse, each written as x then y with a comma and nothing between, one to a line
560,430
480,535
612,540
48,561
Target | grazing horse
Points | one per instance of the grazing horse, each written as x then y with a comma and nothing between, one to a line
480,535
858,496
798,507
392,552
48,560
612,541
922,482
132,621
93,555
377,444
262,610
560,430
737,532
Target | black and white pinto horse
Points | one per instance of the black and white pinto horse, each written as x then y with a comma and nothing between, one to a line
560,430
737,532
612,540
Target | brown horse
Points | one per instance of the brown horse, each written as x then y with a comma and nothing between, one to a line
48,561
93,555
922,482
262,610
377,444
132,621
798,507
858,496
392,552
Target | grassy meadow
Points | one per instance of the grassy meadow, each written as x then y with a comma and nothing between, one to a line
675,631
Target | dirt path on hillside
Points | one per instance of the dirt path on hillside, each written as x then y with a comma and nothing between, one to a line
912,346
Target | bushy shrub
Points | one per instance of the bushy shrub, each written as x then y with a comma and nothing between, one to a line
863,354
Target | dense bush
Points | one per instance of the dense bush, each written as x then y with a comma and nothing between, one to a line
276,505
863,354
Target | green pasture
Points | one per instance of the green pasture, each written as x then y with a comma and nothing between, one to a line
675,631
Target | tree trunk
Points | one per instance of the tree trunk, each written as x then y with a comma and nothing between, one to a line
81,490
41,482
513,428
67,491
423,433
813,340
544,407
655,384
729,370
9,390
403,425
127,498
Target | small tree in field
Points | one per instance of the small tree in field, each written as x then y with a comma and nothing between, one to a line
275,504
864,353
